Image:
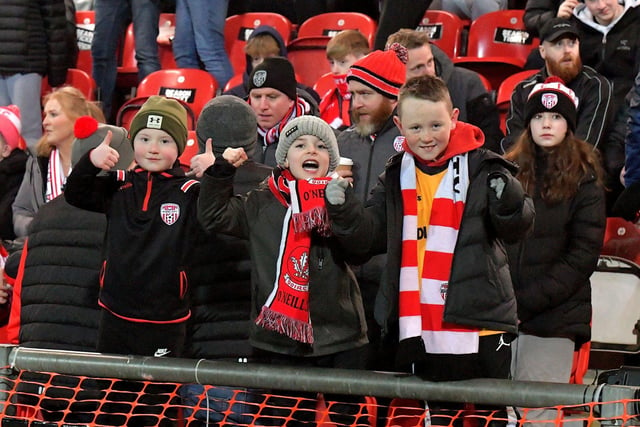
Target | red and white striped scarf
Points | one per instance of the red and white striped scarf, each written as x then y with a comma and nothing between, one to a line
55,176
421,301
299,108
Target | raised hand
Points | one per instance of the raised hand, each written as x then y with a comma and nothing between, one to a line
566,9
201,162
103,156
335,191
235,156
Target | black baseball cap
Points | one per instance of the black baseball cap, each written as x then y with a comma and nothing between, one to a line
558,27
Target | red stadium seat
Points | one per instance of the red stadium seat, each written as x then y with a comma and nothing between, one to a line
309,58
193,86
329,24
503,94
498,45
78,79
85,24
238,28
444,29
190,150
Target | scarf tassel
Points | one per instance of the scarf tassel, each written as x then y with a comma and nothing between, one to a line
316,218
278,322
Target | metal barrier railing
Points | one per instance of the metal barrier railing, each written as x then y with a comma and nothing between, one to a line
622,401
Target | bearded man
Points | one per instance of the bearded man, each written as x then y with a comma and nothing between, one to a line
560,49
374,82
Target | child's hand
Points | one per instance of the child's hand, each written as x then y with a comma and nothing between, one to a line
103,156
335,191
505,195
201,162
235,156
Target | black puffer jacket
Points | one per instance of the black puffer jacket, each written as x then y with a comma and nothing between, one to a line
59,294
33,36
221,286
11,173
480,292
551,279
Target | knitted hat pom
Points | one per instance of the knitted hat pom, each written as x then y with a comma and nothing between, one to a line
84,127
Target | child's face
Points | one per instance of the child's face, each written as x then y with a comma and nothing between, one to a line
58,126
548,129
155,150
308,157
341,66
426,126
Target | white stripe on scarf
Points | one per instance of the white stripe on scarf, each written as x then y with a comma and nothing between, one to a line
55,176
454,186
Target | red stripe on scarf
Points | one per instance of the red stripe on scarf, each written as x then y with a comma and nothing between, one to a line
287,308
437,266
410,303
441,213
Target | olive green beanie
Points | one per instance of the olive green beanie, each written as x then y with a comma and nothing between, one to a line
165,114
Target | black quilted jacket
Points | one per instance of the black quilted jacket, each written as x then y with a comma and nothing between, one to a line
34,38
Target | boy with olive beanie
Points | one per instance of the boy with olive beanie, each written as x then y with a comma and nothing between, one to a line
301,282
152,224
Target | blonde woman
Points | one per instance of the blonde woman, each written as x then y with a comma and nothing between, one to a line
49,162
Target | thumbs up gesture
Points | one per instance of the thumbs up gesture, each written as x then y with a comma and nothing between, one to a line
103,156
202,161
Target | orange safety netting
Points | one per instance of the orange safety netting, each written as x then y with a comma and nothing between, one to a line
48,399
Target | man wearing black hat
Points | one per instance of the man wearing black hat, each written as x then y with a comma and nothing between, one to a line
274,99
560,49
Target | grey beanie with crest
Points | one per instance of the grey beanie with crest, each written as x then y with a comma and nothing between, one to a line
308,125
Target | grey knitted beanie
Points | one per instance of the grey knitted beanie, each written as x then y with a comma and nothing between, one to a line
308,125
230,122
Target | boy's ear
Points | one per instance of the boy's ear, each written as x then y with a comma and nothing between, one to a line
398,123
454,117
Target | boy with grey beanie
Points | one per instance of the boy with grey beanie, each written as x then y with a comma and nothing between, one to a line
301,282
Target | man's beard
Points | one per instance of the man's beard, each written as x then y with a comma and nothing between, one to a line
376,120
567,74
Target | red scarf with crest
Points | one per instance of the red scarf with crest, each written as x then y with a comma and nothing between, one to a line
286,311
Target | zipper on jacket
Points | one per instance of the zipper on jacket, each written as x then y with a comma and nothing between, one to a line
147,196
320,259
366,183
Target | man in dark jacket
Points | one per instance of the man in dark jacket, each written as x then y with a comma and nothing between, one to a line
468,93
374,82
274,97
33,35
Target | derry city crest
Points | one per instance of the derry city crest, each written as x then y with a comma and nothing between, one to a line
170,212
